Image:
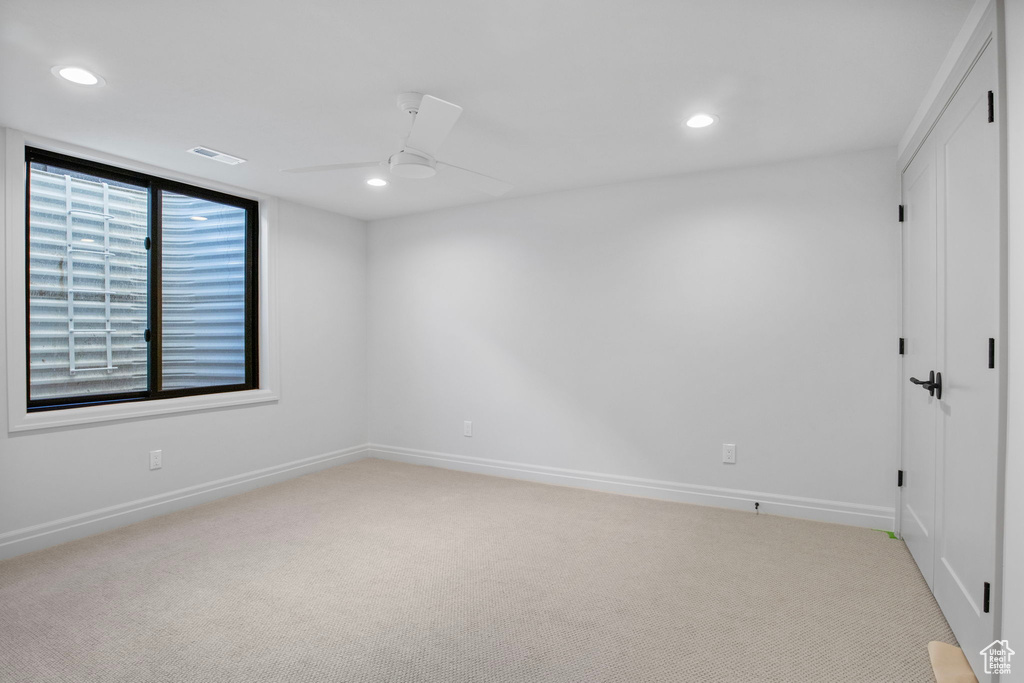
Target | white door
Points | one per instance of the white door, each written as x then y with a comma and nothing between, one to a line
917,519
952,299
969,276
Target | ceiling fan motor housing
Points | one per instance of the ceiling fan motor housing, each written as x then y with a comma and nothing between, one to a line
406,164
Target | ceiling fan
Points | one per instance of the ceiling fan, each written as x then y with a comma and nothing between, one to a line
433,119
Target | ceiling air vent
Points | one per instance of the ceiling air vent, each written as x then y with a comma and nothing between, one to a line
216,156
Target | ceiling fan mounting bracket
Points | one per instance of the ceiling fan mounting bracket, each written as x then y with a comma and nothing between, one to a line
409,102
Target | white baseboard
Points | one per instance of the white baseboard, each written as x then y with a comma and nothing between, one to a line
853,514
48,534
58,531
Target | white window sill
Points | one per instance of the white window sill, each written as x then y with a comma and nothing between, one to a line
49,419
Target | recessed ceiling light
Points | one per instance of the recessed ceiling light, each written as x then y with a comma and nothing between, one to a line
198,218
88,239
77,74
701,120
377,182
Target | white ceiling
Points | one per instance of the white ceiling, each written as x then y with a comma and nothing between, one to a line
556,93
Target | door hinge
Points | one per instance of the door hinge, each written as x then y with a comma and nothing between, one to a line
146,335
901,213
147,243
991,107
988,596
899,478
991,353
902,345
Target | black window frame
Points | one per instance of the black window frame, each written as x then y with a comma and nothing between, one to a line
155,186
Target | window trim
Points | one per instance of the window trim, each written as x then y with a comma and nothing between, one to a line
156,187
267,368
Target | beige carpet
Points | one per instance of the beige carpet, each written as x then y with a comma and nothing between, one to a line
378,571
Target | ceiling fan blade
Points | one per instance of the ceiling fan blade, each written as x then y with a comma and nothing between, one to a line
432,124
332,167
477,181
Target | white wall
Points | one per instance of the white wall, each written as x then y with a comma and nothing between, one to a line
1013,543
631,330
321,279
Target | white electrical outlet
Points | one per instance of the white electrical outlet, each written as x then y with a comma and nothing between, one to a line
467,428
156,460
729,453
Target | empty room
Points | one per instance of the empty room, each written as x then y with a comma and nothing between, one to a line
665,340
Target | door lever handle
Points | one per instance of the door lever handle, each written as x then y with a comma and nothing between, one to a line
928,384
933,384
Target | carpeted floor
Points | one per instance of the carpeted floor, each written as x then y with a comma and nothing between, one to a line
379,571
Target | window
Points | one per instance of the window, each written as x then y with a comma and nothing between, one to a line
137,287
